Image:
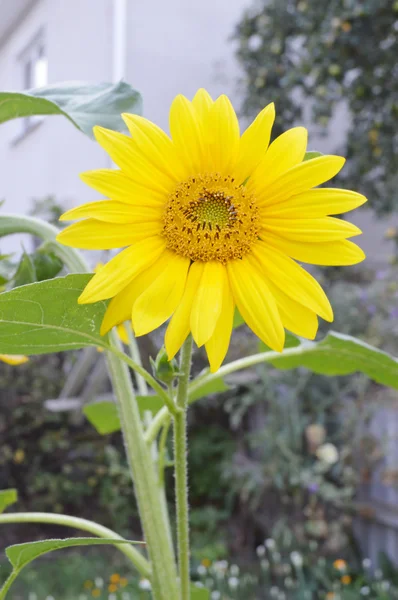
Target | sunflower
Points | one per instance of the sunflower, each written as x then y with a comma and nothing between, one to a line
212,221
13,359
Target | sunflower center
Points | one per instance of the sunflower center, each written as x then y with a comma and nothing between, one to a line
209,217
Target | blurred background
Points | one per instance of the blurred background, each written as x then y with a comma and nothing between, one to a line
293,476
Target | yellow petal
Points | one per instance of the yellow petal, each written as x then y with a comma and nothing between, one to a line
187,135
13,359
285,152
207,304
114,212
121,269
155,146
325,229
125,153
92,234
255,302
295,317
223,136
202,102
122,333
116,185
338,253
316,203
299,179
217,346
158,302
254,143
179,326
120,307
292,279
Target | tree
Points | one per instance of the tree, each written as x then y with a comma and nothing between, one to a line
319,53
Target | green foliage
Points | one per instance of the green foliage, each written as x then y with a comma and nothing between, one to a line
104,416
21,555
45,317
7,497
319,54
40,265
84,104
340,354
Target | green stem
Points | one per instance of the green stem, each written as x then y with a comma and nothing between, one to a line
244,363
136,356
10,224
162,449
164,576
148,378
139,561
181,469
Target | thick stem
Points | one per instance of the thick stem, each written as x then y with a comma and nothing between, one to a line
181,470
139,561
10,224
136,356
164,576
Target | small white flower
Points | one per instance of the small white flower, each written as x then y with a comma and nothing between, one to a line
112,597
254,42
260,551
234,570
366,563
270,543
328,454
199,584
297,559
365,590
274,591
144,584
215,595
233,583
99,583
32,596
201,570
289,583
82,597
378,573
385,586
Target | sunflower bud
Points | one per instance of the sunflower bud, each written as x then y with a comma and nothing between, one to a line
163,369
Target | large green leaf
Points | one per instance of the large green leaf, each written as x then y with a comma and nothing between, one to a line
21,555
199,593
45,317
104,416
340,354
216,386
82,103
7,497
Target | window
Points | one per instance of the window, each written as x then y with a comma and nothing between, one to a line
34,67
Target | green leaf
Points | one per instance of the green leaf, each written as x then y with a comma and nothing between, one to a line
340,354
26,272
312,154
199,593
104,416
84,104
7,497
21,555
45,317
217,386
291,341
46,263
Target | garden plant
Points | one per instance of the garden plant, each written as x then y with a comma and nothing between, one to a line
212,224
